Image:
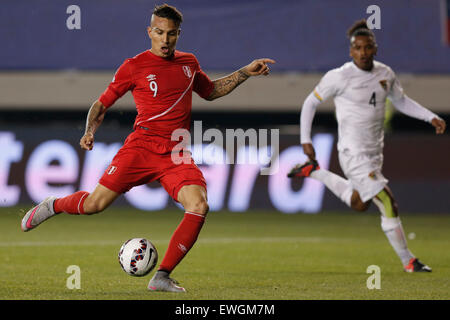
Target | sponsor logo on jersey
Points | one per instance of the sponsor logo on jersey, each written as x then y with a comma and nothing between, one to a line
383,84
151,77
187,71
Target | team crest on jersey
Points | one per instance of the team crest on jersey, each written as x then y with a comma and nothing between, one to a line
187,71
383,84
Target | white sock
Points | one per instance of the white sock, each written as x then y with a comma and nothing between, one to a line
341,187
393,229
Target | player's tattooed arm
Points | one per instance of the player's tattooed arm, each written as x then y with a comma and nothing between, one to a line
95,118
225,85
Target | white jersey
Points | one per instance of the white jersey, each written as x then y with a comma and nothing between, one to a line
359,97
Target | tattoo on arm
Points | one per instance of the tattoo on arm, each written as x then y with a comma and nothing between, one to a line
225,85
95,117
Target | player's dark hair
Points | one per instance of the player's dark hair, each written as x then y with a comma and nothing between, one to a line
168,12
360,28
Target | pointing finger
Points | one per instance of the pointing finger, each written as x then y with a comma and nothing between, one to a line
267,60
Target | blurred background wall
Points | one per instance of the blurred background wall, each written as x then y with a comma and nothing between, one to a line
50,74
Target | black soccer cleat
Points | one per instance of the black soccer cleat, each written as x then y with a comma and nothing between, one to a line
304,170
415,265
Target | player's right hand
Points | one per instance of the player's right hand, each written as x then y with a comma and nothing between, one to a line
308,149
87,141
439,125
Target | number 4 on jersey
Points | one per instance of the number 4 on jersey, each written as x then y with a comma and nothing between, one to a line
373,100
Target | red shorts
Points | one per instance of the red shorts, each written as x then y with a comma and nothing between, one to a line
143,159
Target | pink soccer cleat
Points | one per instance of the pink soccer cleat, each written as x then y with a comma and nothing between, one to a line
38,214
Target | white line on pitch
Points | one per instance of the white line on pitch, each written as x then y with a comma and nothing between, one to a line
159,241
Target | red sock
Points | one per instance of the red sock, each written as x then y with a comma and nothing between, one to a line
72,204
182,240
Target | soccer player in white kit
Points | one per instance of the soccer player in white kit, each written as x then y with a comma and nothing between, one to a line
360,89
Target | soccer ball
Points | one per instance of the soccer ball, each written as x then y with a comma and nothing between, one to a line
138,256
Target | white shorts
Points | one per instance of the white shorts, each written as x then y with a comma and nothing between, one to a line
364,173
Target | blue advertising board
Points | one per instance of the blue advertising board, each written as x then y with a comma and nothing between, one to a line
301,35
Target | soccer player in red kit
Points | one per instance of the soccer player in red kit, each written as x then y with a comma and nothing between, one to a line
161,80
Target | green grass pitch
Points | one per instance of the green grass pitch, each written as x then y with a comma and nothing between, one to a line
255,255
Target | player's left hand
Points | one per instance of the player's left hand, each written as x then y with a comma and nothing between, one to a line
439,124
258,67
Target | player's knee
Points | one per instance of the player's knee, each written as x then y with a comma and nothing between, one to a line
198,206
359,205
202,206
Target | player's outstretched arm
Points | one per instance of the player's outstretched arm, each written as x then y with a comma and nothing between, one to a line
95,118
411,108
225,85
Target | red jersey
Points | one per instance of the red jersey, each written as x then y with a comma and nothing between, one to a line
162,90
